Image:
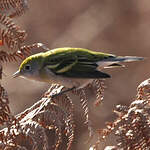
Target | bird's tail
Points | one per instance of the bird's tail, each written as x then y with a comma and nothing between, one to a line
126,58
115,61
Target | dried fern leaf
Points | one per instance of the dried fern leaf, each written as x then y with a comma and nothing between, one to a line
132,127
42,126
51,120
65,103
22,53
4,107
11,35
13,8
84,103
144,90
1,69
98,87
47,124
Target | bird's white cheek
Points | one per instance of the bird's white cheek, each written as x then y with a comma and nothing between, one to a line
22,77
32,76
26,76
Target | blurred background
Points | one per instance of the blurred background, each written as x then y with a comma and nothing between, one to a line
118,27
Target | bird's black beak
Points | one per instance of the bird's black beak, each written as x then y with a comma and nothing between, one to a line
16,74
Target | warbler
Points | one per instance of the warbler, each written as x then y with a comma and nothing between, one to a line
70,67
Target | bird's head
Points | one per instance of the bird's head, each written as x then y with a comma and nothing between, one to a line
30,67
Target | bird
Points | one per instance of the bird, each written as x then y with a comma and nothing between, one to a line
70,67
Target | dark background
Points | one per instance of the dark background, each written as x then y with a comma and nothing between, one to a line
118,27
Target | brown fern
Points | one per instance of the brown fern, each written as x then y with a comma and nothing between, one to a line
22,53
132,127
13,8
11,35
4,104
47,122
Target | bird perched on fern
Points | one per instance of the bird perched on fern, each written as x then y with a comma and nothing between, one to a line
70,67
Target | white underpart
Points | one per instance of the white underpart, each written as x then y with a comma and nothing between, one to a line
104,64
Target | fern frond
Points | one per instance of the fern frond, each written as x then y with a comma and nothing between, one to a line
144,90
43,126
22,53
4,107
84,104
98,87
11,35
132,127
13,8
66,104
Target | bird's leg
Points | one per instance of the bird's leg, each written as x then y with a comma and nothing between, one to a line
64,91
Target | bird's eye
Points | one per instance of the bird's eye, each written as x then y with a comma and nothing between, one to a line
27,67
